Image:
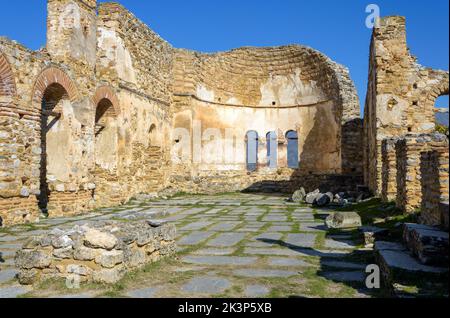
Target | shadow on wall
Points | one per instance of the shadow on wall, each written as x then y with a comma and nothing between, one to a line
321,153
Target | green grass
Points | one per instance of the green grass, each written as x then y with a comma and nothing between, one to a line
375,211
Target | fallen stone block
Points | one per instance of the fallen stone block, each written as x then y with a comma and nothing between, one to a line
311,197
299,195
343,220
323,199
371,234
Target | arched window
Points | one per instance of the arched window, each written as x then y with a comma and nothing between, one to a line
104,112
106,136
272,145
152,136
252,150
292,149
54,148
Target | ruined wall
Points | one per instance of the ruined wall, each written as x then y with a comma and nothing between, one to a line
409,152
138,63
434,169
72,31
400,97
218,98
97,116
389,170
19,133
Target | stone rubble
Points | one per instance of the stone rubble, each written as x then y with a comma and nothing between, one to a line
101,252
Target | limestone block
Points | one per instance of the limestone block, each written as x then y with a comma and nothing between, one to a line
96,239
342,220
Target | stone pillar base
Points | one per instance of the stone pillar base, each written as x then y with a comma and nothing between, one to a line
18,210
70,203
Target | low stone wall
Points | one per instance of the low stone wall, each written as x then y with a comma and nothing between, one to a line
265,180
409,176
97,252
434,169
388,170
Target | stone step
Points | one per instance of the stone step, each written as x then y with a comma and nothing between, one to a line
399,268
427,243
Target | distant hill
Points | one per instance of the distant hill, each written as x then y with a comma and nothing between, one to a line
442,116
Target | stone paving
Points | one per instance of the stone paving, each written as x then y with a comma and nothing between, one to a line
234,245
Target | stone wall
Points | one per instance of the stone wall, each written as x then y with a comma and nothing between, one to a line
409,151
400,97
218,98
72,31
389,170
138,63
265,181
101,253
434,169
20,150
131,55
95,117
49,102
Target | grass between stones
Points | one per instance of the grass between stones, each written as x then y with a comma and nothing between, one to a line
170,274
374,211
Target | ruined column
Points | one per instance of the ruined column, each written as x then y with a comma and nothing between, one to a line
435,188
409,151
389,170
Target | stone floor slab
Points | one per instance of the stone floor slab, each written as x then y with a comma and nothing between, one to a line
195,226
287,262
75,296
10,246
13,291
263,273
339,244
149,292
195,238
226,239
313,227
6,275
268,237
248,230
280,228
301,240
256,291
226,226
9,238
219,260
355,276
7,254
274,218
271,251
206,285
215,251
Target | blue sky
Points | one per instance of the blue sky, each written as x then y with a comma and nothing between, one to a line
337,28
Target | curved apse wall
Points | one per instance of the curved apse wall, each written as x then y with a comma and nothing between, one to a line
219,97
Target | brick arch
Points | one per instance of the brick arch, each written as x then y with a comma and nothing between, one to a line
7,83
440,88
53,75
106,92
